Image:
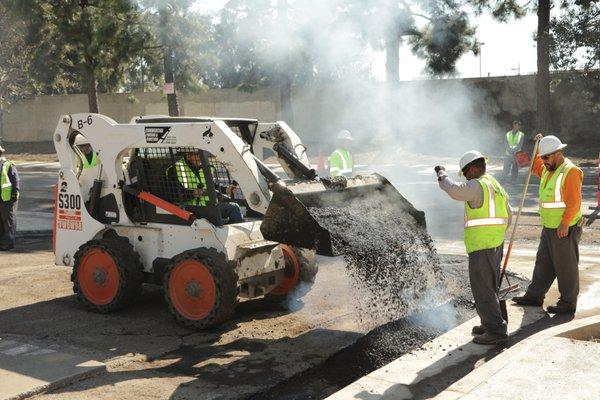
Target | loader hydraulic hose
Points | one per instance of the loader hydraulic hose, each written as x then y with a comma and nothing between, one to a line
293,162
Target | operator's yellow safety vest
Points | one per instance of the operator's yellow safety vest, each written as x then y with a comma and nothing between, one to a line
5,183
340,163
89,164
513,139
552,206
485,226
189,180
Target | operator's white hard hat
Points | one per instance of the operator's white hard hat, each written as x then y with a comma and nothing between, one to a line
468,158
80,140
344,134
550,144
2,149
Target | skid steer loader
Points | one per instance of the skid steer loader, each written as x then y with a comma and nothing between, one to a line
134,216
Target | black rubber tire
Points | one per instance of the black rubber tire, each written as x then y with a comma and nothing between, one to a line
308,268
225,278
130,272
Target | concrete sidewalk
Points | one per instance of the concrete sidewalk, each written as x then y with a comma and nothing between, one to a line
27,369
437,361
558,363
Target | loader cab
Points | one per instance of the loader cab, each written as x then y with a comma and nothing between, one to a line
160,171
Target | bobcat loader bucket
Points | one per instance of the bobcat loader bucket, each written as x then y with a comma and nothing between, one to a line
288,218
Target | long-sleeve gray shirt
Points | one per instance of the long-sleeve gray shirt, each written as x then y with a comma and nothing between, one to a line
469,191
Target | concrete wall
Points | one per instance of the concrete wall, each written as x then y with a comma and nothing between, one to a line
421,107
35,119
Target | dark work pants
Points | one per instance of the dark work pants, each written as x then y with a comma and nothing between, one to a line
484,275
8,224
232,212
557,259
510,167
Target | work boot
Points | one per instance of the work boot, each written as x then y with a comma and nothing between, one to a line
491,338
478,330
561,308
527,300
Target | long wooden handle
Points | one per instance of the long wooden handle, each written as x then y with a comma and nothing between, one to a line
523,196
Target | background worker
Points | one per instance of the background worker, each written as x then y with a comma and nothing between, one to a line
487,216
9,196
560,213
188,171
340,161
513,142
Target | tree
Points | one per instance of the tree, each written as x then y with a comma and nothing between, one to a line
543,123
90,43
575,36
575,50
15,58
438,31
284,43
180,53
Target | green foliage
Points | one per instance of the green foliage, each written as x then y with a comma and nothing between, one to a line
15,57
80,41
575,36
443,41
438,31
188,34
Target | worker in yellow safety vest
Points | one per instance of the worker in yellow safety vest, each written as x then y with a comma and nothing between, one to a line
9,196
87,155
190,174
487,216
340,161
513,142
560,212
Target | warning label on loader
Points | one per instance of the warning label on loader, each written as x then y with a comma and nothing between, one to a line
69,212
159,134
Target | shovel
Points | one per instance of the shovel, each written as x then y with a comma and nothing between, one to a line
513,288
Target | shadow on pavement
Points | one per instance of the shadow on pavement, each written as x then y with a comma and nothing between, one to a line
220,360
437,377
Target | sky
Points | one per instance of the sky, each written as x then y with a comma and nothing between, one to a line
507,47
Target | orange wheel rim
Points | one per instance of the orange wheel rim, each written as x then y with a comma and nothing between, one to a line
192,289
292,276
98,277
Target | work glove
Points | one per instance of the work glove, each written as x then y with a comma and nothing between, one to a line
13,197
439,168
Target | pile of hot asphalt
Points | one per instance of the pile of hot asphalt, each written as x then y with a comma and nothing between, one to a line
390,257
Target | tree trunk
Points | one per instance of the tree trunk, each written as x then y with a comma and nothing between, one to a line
92,92
170,79
543,68
392,61
285,81
1,124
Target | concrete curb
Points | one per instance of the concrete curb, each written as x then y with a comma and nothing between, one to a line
575,329
59,383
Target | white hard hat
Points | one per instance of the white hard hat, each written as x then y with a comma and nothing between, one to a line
344,134
80,140
550,144
2,149
468,158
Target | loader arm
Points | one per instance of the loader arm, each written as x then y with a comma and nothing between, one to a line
280,139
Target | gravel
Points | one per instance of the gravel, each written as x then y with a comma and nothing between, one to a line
390,257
